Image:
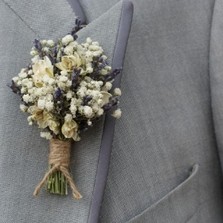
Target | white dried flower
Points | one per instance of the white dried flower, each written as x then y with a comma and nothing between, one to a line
89,54
117,113
88,111
89,70
63,72
23,90
29,84
103,71
50,43
63,78
29,119
68,83
69,50
73,109
45,49
108,86
69,94
31,91
68,118
81,92
89,122
33,52
49,97
43,41
100,112
41,103
100,102
46,135
46,79
51,81
89,40
49,105
61,85
117,92
104,57
23,108
30,72
38,92
26,98
67,39
94,48
35,59
15,79
95,43
97,53
22,74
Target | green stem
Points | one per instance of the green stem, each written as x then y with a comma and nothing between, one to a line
57,183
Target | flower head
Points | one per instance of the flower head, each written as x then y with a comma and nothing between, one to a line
70,130
68,63
42,68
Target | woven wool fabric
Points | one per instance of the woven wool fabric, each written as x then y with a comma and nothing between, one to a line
23,154
167,124
165,163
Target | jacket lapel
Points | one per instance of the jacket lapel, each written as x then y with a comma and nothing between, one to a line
23,153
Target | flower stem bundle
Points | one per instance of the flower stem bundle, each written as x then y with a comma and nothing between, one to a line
58,175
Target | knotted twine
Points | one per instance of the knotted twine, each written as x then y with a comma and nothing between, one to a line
59,159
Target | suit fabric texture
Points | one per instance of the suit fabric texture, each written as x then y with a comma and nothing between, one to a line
165,165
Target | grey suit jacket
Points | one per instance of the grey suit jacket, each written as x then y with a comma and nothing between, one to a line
167,147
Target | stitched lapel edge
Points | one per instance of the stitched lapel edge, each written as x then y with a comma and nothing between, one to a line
109,124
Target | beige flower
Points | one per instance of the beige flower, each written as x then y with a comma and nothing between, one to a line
44,119
105,97
42,68
53,125
70,130
41,117
69,62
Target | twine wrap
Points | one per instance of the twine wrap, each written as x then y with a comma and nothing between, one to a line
59,159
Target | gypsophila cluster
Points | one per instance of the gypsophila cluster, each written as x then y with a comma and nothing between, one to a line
67,86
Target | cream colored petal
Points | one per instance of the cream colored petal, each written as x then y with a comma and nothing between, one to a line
106,97
60,66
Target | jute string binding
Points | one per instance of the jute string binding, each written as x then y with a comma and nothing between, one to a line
59,159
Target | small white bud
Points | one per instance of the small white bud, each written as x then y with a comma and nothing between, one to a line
100,112
89,122
43,42
67,39
68,118
45,135
50,43
117,92
117,113
88,111
23,108
108,86
33,52
41,104
89,40
46,49
15,79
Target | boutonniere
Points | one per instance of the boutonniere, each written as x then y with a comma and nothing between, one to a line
66,88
